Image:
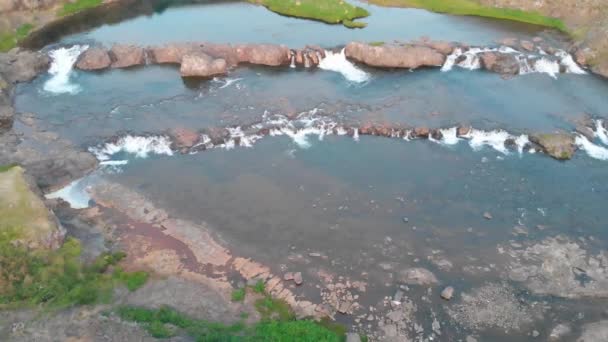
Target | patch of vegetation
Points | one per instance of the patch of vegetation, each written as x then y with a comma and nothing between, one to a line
470,7
238,295
259,287
132,280
4,168
9,40
166,322
58,278
274,309
327,11
77,6
376,43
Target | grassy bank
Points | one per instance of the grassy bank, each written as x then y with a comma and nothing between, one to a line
57,279
327,11
470,7
77,6
9,40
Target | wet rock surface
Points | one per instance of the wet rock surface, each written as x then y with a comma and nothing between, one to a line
125,56
202,65
594,332
417,276
501,63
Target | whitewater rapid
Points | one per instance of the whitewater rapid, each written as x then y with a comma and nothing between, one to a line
529,63
336,61
61,69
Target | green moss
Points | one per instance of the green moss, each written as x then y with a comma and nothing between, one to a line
54,279
77,6
9,40
166,322
470,7
327,11
238,295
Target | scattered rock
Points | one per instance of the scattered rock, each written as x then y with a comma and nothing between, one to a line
470,339
487,216
94,58
124,56
447,293
417,276
353,337
202,65
288,276
394,56
406,220
558,145
559,332
535,333
463,131
421,132
297,278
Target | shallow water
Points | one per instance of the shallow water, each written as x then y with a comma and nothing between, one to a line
341,198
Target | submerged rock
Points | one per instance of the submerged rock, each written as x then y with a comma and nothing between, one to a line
23,211
417,276
594,332
447,293
491,306
202,65
558,145
395,56
559,332
124,56
94,58
560,267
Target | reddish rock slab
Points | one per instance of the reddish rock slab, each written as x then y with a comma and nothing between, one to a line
125,56
395,56
94,58
199,64
263,54
184,137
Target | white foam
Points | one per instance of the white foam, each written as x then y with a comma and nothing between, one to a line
495,139
336,61
448,136
601,132
593,150
568,62
521,142
74,193
547,66
229,82
451,60
140,146
63,60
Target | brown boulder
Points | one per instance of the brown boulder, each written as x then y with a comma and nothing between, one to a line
445,48
558,145
394,56
184,138
263,54
202,65
94,58
527,45
299,57
502,63
124,56
421,132
463,130
170,53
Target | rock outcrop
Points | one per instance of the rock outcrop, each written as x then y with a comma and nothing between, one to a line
200,64
395,56
558,145
125,56
24,214
501,63
94,58
263,54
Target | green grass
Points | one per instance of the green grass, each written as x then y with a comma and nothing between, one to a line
470,7
77,6
167,322
9,40
327,11
274,309
238,295
57,279
259,287
4,168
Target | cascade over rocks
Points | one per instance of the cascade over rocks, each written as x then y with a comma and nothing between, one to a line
395,56
94,58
